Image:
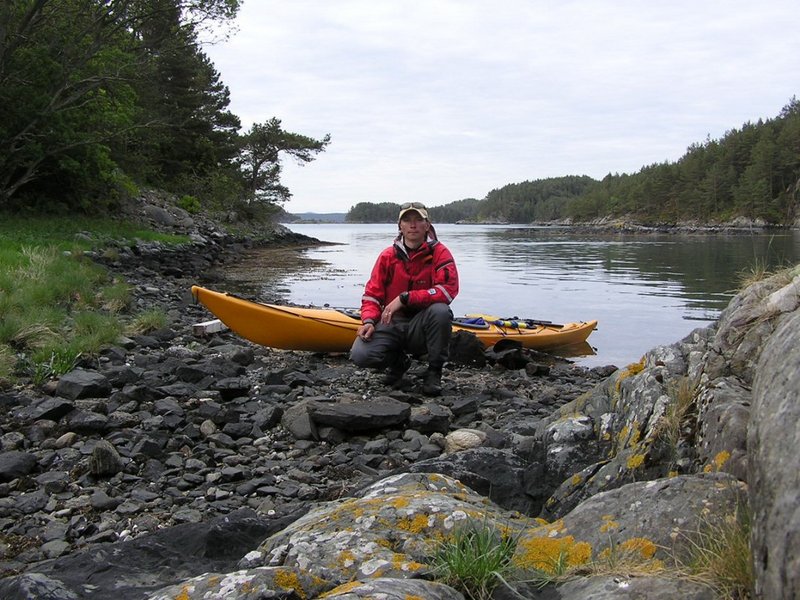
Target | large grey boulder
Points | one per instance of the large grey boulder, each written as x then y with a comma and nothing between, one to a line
667,512
774,467
614,435
394,589
379,543
747,322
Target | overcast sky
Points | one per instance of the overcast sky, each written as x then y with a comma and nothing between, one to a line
440,100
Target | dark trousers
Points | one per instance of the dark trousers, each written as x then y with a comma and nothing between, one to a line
427,332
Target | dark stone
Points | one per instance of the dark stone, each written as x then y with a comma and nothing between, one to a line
87,422
105,460
15,464
466,349
52,409
430,418
492,472
83,384
360,416
232,387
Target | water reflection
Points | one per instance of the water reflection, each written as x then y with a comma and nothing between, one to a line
645,290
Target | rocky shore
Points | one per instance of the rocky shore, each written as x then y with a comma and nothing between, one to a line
178,465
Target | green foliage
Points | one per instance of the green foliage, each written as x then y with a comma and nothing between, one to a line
93,329
65,92
72,235
261,149
96,97
7,364
368,212
529,201
465,210
52,362
671,425
189,203
115,297
475,559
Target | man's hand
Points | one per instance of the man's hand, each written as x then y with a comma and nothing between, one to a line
391,308
365,331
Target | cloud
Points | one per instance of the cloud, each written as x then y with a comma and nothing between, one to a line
442,100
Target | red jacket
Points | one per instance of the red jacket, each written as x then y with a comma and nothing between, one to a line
428,274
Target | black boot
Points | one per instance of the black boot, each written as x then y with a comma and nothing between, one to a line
432,384
396,371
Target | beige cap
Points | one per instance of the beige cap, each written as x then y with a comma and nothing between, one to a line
415,207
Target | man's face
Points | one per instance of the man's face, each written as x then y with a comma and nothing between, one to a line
414,228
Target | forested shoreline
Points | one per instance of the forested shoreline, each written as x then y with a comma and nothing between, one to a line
752,172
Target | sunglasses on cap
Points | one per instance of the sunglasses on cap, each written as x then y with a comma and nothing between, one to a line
408,205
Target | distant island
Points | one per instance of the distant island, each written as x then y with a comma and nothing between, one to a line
313,217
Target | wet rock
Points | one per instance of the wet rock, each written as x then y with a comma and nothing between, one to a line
466,349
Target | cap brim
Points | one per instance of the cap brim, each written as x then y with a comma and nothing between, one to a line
420,211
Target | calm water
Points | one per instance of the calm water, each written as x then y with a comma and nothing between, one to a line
645,290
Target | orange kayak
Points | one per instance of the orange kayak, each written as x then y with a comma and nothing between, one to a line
334,330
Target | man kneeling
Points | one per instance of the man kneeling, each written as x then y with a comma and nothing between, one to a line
406,304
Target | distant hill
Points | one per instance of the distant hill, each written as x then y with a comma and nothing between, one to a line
312,217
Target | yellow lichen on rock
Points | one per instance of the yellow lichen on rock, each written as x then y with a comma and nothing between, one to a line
641,546
346,559
546,553
629,371
633,555
416,524
184,593
635,461
609,524
289,580
400,562
341,589
719,460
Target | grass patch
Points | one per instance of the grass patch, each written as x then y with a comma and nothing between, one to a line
75,233
7,363
720,556
56,305
149,320
673,422
760,270
475,559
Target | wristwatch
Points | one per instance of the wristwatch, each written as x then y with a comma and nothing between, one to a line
404,298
